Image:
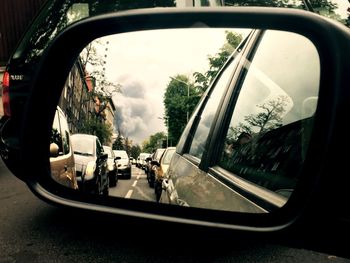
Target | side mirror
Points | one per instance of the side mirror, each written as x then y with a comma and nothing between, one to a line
331,43
54,150
103,156
148,159
155,163
117,158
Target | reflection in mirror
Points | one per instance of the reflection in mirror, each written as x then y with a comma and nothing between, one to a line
130,98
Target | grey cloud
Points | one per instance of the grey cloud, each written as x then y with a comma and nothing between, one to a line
131,88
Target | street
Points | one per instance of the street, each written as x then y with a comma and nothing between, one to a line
33,231
135,188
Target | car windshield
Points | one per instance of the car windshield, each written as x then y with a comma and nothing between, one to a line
108,150
121,154
167,156
83,145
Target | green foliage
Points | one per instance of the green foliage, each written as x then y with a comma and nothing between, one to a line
217,61
154,142
135,151
182,95
180,99
95,127
118,143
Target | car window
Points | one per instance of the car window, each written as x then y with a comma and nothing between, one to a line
56,135
268,135
83,145
167,156
121,154
99,149
65,133
207,117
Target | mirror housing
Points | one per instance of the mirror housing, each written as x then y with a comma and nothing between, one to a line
311,193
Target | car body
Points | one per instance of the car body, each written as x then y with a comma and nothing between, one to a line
90,164
124,165
246,152
160,169
61,153
112,166
155,157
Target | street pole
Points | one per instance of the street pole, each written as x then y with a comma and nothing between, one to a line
188,98
167,133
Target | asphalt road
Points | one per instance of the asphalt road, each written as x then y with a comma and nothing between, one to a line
135,188
34,231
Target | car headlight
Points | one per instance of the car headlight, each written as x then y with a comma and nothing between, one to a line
90,170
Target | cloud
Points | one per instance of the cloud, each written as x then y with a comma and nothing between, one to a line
133,112
131,88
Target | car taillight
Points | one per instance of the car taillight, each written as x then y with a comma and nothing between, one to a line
5,94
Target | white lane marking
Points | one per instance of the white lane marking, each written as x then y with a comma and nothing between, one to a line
128,195
134,184
138,177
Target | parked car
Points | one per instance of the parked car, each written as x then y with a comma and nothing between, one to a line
142,160
124,165
243,152
61,154
112,166
160,169
150,162
90,164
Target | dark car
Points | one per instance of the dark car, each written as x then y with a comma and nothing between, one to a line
112,166
90,164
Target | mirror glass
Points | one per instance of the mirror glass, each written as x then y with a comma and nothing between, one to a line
137,115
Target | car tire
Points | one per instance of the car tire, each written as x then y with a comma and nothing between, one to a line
158,190
112,180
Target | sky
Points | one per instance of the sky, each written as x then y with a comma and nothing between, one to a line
143,62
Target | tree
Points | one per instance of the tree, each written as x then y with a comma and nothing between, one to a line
269,118
95,127
154,142
180,99
217,61
118,143
135,151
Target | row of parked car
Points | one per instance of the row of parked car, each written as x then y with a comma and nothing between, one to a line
80,161
155,166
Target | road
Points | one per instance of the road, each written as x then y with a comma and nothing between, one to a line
135,188
33,231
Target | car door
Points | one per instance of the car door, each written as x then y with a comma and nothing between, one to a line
187,184
249,156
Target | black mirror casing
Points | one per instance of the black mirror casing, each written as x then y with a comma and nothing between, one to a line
323,174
